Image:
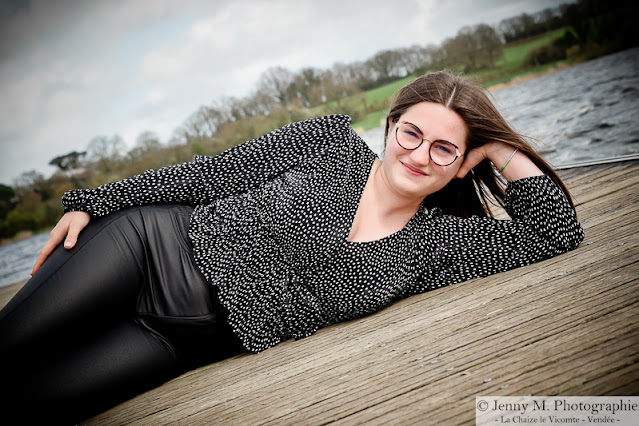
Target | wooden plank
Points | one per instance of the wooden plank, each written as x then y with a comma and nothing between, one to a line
564,326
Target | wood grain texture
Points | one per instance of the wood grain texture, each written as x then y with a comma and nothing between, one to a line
565,326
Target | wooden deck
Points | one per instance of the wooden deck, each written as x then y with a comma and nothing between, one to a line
565,326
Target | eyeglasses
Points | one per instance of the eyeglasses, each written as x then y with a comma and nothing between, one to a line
442,153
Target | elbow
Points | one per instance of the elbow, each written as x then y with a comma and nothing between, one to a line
569,237
578,237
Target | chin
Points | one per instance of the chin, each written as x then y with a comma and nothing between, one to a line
427,187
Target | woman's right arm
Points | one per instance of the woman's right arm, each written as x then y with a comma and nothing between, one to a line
179,183
235,170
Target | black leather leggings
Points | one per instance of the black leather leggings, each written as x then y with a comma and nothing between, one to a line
122,312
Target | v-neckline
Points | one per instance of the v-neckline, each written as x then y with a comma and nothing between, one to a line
359,195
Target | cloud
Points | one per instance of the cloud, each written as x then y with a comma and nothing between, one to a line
71,70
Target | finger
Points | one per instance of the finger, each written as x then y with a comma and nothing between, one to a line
42,256
77,224
472,159
55,237
72,236
39,261
463,170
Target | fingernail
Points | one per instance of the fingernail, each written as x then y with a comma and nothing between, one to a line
68,244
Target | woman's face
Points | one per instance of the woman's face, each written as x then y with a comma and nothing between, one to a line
412,173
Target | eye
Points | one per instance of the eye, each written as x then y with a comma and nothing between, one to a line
444,147
410,133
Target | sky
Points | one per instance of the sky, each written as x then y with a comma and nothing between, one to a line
71,70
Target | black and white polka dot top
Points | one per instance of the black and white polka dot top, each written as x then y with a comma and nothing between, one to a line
273,215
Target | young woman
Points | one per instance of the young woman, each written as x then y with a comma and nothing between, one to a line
274,239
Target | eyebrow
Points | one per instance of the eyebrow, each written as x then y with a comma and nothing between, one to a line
422,133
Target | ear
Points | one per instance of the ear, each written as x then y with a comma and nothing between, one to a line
389,126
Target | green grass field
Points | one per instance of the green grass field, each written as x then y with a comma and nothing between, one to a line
515,53
509,66
381,94
372,120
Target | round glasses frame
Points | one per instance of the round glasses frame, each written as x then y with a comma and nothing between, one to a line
457,153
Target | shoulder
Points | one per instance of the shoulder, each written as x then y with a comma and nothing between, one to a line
318,125
328,127
326,121
313,135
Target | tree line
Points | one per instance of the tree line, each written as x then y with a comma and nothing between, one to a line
281,96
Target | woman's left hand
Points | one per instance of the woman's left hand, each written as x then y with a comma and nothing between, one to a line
519,166
477,155
67,229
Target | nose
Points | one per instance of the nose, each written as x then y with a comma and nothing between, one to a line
421,155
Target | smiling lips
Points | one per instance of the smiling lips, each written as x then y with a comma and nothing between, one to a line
413,170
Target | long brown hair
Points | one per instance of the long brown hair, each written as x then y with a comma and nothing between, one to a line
469,196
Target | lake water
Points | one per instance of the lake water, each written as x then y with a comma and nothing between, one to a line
585,113
17,259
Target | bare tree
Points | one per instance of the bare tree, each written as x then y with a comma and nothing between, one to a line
388,65
148,141
518,27
33,182
106,152
473,48
335,86
275,82
358,73
414,58
488,43
202,124
304,86
257,104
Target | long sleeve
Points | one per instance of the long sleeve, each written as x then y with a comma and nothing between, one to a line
542,225
207,178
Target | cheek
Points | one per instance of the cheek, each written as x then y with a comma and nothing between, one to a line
454,168
445,174
392,150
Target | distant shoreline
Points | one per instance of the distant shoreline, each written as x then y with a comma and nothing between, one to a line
22,235
492,89
530,76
